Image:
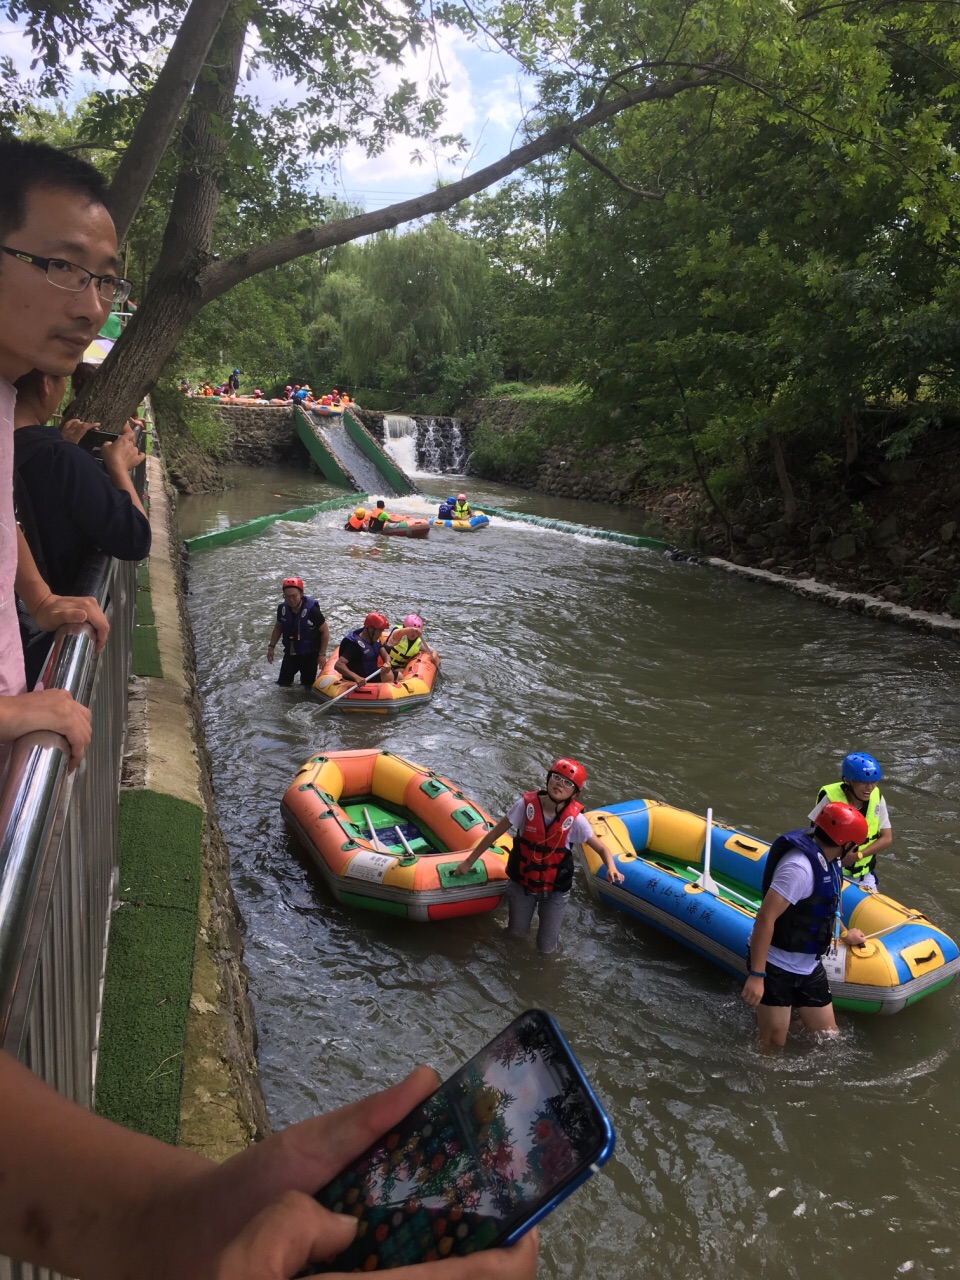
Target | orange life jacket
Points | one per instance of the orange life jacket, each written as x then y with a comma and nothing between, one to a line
540,860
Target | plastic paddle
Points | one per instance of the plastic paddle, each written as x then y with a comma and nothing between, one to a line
403,840
378,844
349,689
706,881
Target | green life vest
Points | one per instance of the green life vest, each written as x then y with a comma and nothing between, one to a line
865,861
461,511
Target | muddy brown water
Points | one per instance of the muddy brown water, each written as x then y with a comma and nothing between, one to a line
669,681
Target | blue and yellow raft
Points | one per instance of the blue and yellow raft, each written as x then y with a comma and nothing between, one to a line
479,520
660,851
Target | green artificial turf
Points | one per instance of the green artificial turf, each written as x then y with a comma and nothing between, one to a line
150,963
145,652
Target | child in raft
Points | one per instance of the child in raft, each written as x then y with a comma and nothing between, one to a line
540,866
406,641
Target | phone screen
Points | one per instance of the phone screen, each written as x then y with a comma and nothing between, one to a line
481,1160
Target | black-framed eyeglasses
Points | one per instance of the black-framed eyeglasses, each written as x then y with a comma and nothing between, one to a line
67,275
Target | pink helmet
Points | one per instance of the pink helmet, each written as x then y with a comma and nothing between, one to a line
461,497
413,620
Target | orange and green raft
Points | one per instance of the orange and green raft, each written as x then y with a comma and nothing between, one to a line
388,835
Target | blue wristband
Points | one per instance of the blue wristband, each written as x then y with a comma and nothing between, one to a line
755,973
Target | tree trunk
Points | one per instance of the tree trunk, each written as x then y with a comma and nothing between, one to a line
850,438
174,296
786,488
166,100
711,497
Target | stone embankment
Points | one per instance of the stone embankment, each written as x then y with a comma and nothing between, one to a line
255,435
889,546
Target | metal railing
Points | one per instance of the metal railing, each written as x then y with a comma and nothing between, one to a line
58,858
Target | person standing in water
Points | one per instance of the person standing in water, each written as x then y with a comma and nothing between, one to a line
797,923
540,866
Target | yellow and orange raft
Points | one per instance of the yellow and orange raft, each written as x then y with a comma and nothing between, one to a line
387,835
413,686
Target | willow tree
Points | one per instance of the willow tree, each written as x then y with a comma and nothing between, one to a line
401,304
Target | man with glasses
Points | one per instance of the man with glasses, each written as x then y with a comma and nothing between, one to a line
57,280
798,921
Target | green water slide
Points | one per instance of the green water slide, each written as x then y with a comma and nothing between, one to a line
348,455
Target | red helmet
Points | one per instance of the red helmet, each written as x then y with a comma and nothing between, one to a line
571,769
841,823
376,621
293,582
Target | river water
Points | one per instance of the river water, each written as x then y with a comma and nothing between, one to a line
669,681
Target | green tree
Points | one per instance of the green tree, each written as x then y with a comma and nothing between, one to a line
402,305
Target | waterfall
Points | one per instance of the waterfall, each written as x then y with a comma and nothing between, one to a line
400,441
441,449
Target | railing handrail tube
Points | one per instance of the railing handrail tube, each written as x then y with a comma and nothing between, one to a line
35,785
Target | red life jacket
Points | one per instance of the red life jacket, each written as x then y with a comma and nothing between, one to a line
540,860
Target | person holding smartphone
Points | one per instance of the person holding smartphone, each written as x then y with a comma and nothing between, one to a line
68,503
540,866
93,1200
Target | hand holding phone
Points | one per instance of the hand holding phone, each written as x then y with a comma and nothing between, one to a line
481,1160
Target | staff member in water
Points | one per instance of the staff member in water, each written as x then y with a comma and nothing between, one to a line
305,633
796,925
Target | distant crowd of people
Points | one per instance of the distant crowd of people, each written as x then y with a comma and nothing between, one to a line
293,393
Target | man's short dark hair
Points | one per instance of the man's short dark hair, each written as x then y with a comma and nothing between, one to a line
26,165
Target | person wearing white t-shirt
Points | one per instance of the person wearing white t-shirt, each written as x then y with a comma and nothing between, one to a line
540,866
797,923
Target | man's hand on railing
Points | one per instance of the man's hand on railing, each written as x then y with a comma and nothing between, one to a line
57,611
46,609
54,710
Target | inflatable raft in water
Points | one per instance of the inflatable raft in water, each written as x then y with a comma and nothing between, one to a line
387,835
660,851
412,688
407,527
477,521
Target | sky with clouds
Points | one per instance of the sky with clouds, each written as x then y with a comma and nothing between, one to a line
486,97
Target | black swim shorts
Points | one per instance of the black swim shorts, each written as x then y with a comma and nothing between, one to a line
796,990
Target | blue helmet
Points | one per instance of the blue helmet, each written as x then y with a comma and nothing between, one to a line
451,501
859,767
